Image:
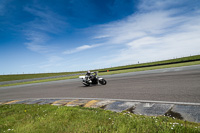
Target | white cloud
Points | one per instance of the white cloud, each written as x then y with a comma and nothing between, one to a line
155,32
152,35
149,5
81,48
53,61
36,48
101,36
36,41
143,42
37,31
48,21
139,25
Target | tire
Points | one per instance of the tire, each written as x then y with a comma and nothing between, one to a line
86,84
103,82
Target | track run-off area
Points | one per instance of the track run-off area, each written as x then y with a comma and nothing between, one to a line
180,84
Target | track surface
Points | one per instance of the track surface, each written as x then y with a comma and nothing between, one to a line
174,84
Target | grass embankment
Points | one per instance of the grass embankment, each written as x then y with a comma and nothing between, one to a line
151,68
47,118
31,76
40,81
156,63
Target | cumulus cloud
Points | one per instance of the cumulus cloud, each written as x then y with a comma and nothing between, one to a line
81,48
156,31
152,34
139,25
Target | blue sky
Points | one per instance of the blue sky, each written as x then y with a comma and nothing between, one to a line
39,36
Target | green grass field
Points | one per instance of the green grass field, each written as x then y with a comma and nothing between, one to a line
60,119
180,60
151,68
31,76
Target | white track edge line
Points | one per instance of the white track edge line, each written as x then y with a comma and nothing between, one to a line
126,100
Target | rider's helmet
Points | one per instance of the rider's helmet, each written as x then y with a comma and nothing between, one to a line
88,73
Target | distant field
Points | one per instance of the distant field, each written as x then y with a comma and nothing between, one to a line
158,63
150,68
31,76
113,70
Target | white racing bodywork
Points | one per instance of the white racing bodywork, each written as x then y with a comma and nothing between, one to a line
81,77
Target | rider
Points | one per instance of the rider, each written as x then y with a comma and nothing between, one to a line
89,74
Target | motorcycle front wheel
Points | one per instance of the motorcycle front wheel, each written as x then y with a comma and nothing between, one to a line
86,84
103,82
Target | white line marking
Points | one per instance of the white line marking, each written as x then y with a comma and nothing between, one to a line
126,100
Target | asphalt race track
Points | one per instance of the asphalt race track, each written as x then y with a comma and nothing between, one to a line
173,84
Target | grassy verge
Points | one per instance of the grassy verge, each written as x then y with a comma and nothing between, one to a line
156,63
40,81
47,118
151,68
31,76
109,73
